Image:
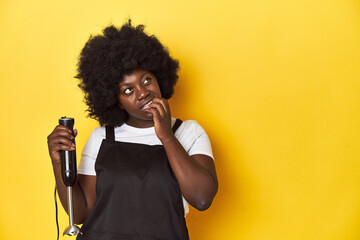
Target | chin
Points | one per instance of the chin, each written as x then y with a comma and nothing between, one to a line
149,116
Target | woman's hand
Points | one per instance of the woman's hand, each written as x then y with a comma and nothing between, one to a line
160,110
84,190
60,139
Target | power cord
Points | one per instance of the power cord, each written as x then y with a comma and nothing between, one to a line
56,213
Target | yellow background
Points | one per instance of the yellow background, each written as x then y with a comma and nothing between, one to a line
274,83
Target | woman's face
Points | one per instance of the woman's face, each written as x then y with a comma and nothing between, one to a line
136,92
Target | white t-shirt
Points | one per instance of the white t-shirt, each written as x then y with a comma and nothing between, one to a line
190,134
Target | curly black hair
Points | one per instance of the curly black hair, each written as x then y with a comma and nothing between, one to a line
106,58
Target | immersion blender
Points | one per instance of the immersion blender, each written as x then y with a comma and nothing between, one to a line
68,175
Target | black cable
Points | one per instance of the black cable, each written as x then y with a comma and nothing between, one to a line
56,213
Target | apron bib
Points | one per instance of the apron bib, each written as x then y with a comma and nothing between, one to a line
138,196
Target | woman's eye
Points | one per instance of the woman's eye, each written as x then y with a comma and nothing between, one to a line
128,90
147,80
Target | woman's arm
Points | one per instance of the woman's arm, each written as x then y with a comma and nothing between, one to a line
196,174
84,190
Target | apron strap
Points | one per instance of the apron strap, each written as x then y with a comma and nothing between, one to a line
177,124
110,135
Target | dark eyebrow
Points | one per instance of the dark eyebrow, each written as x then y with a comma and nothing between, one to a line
142,75
124,84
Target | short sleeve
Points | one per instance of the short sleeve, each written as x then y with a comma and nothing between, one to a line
90,152
194,138
201,144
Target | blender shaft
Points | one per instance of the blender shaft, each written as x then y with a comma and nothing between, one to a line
70,205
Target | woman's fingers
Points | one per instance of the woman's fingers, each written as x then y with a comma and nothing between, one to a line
155,113
60,140
160,110
56,147
62,131
162,106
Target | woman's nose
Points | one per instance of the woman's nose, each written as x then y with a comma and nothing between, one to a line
143,93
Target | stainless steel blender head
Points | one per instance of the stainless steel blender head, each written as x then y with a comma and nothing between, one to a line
72,229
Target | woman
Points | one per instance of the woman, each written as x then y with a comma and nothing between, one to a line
139,169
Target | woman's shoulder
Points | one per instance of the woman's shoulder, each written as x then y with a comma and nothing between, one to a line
98,132
194,138
92,145
191,126
189,130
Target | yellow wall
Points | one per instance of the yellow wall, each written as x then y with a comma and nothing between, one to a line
275,83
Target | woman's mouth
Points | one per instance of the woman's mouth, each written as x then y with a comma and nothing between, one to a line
146,107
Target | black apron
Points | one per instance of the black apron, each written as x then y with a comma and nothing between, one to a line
137,194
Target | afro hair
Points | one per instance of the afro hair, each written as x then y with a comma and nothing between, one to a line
106,58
